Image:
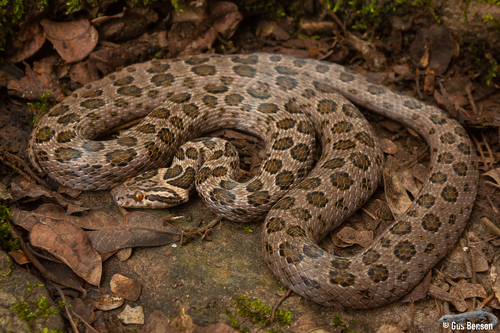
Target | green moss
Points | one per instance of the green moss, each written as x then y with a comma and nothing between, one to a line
31,310
370,14
176,5
11,12
42,108
6,242
337,322
259,313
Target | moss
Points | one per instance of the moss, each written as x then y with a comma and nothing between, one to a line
6,242
258,313
41,308
370,14
42,108
337,322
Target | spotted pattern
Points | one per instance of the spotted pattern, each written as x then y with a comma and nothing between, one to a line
286,101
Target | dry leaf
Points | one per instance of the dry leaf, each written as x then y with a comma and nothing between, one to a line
108,302
69,244
72,40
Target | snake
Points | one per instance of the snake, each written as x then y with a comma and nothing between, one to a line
293,104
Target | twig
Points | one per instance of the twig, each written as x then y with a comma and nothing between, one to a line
275,307
492,158
83,321
471,100
480,150
30,175
45,273
493,228
70,318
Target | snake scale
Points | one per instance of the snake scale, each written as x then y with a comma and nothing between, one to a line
288,102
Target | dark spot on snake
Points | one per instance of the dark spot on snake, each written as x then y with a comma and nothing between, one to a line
233,99
317,199
378,273
284,180
64,155
296,231
146,128
341,180
120,157
302,214
449,194
162,80
285,203
255,186
93,146
123,81
185,181
326,106
404,251
426,200
132,91
401,228
334,163
127,141
44,134
65,136
68,119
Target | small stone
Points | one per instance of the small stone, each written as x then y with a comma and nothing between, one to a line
125,287
132,315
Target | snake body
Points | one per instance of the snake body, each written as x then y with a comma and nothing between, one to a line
286,101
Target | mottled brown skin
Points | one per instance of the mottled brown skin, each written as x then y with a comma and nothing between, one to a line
287,101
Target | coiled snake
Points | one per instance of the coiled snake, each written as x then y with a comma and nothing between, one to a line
285,101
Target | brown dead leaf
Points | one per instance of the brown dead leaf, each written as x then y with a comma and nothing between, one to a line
108,302
67,277
84,309
388,146
109,233
272,29
157,323
19,257
130,24
125,287
41,80
469,290
70,244
21,189
437,292
25,42
225,17
395,191
106,60
455,264
69,191
72,40
436,45
124,254
420,291
353,236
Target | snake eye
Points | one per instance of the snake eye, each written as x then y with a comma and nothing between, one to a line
138,196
